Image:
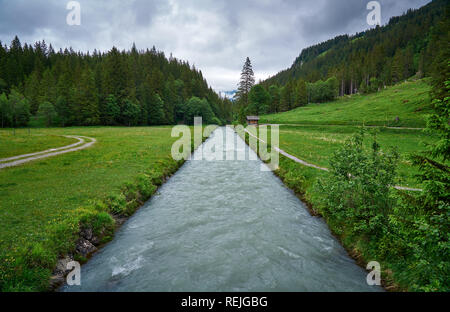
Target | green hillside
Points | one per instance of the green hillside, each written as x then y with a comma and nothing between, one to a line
389,53
409,101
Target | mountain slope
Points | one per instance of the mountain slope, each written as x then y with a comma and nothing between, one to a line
390,53
409,102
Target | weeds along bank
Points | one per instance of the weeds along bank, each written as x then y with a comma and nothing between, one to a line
317,144
373,221
67,206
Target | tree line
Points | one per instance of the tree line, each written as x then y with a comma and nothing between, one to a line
128,88
251,99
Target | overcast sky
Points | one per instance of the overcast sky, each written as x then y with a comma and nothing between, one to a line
214,35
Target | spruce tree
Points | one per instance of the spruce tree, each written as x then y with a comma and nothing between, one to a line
246,83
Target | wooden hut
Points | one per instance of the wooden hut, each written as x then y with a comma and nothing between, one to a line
252,120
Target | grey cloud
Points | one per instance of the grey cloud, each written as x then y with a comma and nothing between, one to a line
215,35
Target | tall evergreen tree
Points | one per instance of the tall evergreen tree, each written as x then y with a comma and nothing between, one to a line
246,83
87,99
301,95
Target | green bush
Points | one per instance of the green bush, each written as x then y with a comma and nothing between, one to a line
357,193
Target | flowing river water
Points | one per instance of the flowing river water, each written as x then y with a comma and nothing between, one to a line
223,226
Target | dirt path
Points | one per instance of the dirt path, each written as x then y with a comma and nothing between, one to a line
307,164
305,125
21,159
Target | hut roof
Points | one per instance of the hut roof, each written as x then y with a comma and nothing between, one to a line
252,118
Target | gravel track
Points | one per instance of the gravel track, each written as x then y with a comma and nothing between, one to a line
21,159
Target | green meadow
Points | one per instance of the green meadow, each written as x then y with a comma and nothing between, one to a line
316,145
45,203
29,141
409,101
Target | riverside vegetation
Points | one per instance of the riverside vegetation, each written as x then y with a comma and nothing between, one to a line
407,232
381,77
370,79
46,205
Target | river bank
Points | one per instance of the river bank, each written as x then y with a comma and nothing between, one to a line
50,207
222,226
299,179
93,237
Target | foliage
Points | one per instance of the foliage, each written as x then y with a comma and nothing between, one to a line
114,177
47,112
16,111
274,92
390,54
246,83
196,107
259,100
409,101
323,91
357,191
97,88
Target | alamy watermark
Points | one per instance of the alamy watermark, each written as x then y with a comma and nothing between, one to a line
374,276
74,276
73,18
374,16
227,146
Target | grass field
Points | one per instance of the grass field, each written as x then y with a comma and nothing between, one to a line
43,203
24,143
316,145
408,101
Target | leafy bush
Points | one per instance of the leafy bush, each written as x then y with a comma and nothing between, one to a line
358,189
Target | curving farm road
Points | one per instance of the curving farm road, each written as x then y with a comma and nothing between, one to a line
304,163
21,159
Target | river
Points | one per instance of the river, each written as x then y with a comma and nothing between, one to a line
223,226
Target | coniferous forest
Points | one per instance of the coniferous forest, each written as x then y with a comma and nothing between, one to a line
363,63
39,86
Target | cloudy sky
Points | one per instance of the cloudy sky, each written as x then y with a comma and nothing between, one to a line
214,35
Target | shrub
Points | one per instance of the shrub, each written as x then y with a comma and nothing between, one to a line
357,193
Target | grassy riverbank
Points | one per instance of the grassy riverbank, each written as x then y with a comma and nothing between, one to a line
384,227
45,204
401,250
408,101
316,145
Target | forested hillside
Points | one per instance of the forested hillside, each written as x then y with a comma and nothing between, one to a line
68,88
363,63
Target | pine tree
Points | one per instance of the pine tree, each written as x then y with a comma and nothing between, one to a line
47,112
301,96
104,88
111,113
20,109
274,92
156,110
246,83
5,110
88,107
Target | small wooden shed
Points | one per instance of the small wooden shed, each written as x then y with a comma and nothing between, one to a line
252,120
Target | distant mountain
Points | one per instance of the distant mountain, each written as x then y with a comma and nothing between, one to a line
228,94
